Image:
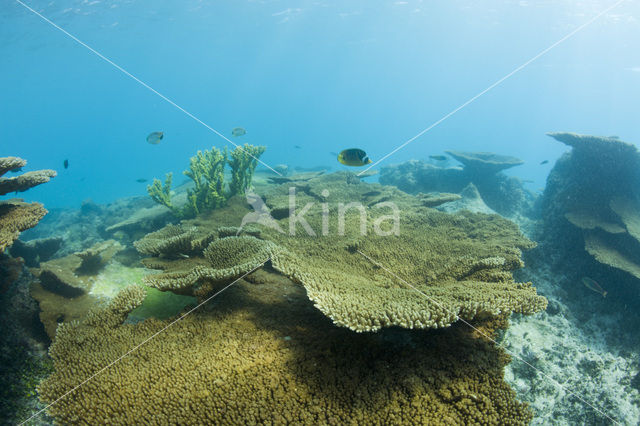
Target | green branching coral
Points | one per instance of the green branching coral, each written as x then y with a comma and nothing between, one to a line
161,192
206,170
243,162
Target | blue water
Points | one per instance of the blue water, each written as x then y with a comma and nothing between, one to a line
322,75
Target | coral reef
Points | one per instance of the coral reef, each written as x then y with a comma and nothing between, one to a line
259,353
460,263
504,194
595,188
206,170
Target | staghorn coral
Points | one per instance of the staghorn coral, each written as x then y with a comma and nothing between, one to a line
206,170
263,355
243,162
15,217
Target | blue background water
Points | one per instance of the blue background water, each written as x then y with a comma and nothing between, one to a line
322,75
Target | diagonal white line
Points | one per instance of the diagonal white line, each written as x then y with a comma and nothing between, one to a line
142,83
497,83
141,344
432,300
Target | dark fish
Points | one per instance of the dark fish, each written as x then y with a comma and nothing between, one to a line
297,147
66,163
354,157
592,285
544,162
438,157
154,138
238,131
18,170
141,180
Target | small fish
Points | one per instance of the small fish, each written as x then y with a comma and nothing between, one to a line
333,154
544,162
238,131
297,147
18,170
141,180
438,157
66,163
592,285
154,138
353,157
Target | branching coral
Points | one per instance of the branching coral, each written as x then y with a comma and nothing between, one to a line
206,170
243,162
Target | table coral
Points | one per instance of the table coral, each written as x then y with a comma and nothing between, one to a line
261,354
24,181
602,204
17,216
460,263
